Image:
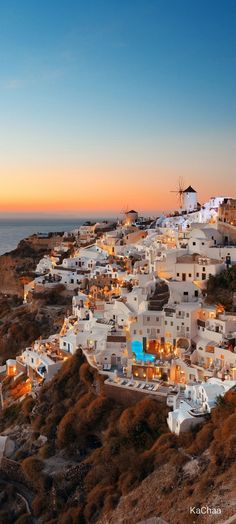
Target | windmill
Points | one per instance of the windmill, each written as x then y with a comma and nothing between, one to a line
179,192
124,210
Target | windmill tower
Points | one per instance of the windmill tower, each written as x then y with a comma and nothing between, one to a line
180,192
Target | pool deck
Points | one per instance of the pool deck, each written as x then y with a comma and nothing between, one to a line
151,388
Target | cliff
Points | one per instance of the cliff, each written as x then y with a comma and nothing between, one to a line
18,266
91,460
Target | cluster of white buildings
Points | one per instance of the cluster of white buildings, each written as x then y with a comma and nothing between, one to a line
149,328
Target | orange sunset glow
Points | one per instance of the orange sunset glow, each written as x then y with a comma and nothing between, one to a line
101,191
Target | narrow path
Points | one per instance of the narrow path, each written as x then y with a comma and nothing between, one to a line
231,520
25,493
25,501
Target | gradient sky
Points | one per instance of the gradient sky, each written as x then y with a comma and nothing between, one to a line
105,103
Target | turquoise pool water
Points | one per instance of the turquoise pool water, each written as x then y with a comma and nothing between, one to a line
137,349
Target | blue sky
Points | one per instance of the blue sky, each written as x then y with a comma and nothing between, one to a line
131,87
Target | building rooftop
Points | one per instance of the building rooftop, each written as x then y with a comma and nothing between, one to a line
195,257
189,190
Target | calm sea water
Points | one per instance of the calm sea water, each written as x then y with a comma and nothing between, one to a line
14,230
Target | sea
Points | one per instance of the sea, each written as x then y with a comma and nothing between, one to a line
12,230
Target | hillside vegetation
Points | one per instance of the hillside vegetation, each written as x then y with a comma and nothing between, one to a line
99,454
221,289
21,324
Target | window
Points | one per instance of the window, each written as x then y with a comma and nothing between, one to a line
203,276
190,274
197,274
134,331
165,322
194,243
177,274
187,315
187,328
157,319
158,330
186,293
177,328
171,323
196,293
203,243
148,319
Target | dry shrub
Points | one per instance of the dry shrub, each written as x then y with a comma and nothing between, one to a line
103,474
111,501
202,440
164,455
95,501
97,410
46,451
38,422
32,468
72,516
27,406
53,419
38,505
84,401
167,439
125,423
143,423
228,427
126,482
85,374
178,460
66,433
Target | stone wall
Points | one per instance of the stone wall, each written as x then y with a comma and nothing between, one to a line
128,397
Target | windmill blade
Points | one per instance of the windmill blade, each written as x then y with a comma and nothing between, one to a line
181,184
179,192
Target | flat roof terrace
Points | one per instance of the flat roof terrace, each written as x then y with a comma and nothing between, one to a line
154,388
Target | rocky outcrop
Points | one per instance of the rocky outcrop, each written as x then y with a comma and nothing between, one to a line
17,267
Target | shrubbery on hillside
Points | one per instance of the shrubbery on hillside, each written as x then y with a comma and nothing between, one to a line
114,447
220,288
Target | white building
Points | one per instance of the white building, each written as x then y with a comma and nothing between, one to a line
189,200
195,267
191,405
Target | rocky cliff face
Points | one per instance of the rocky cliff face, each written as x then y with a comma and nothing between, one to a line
17,267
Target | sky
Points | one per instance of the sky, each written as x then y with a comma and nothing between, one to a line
104,104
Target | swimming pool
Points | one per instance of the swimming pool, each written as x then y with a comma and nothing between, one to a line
137,349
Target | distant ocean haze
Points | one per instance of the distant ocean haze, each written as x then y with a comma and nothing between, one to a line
14,230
